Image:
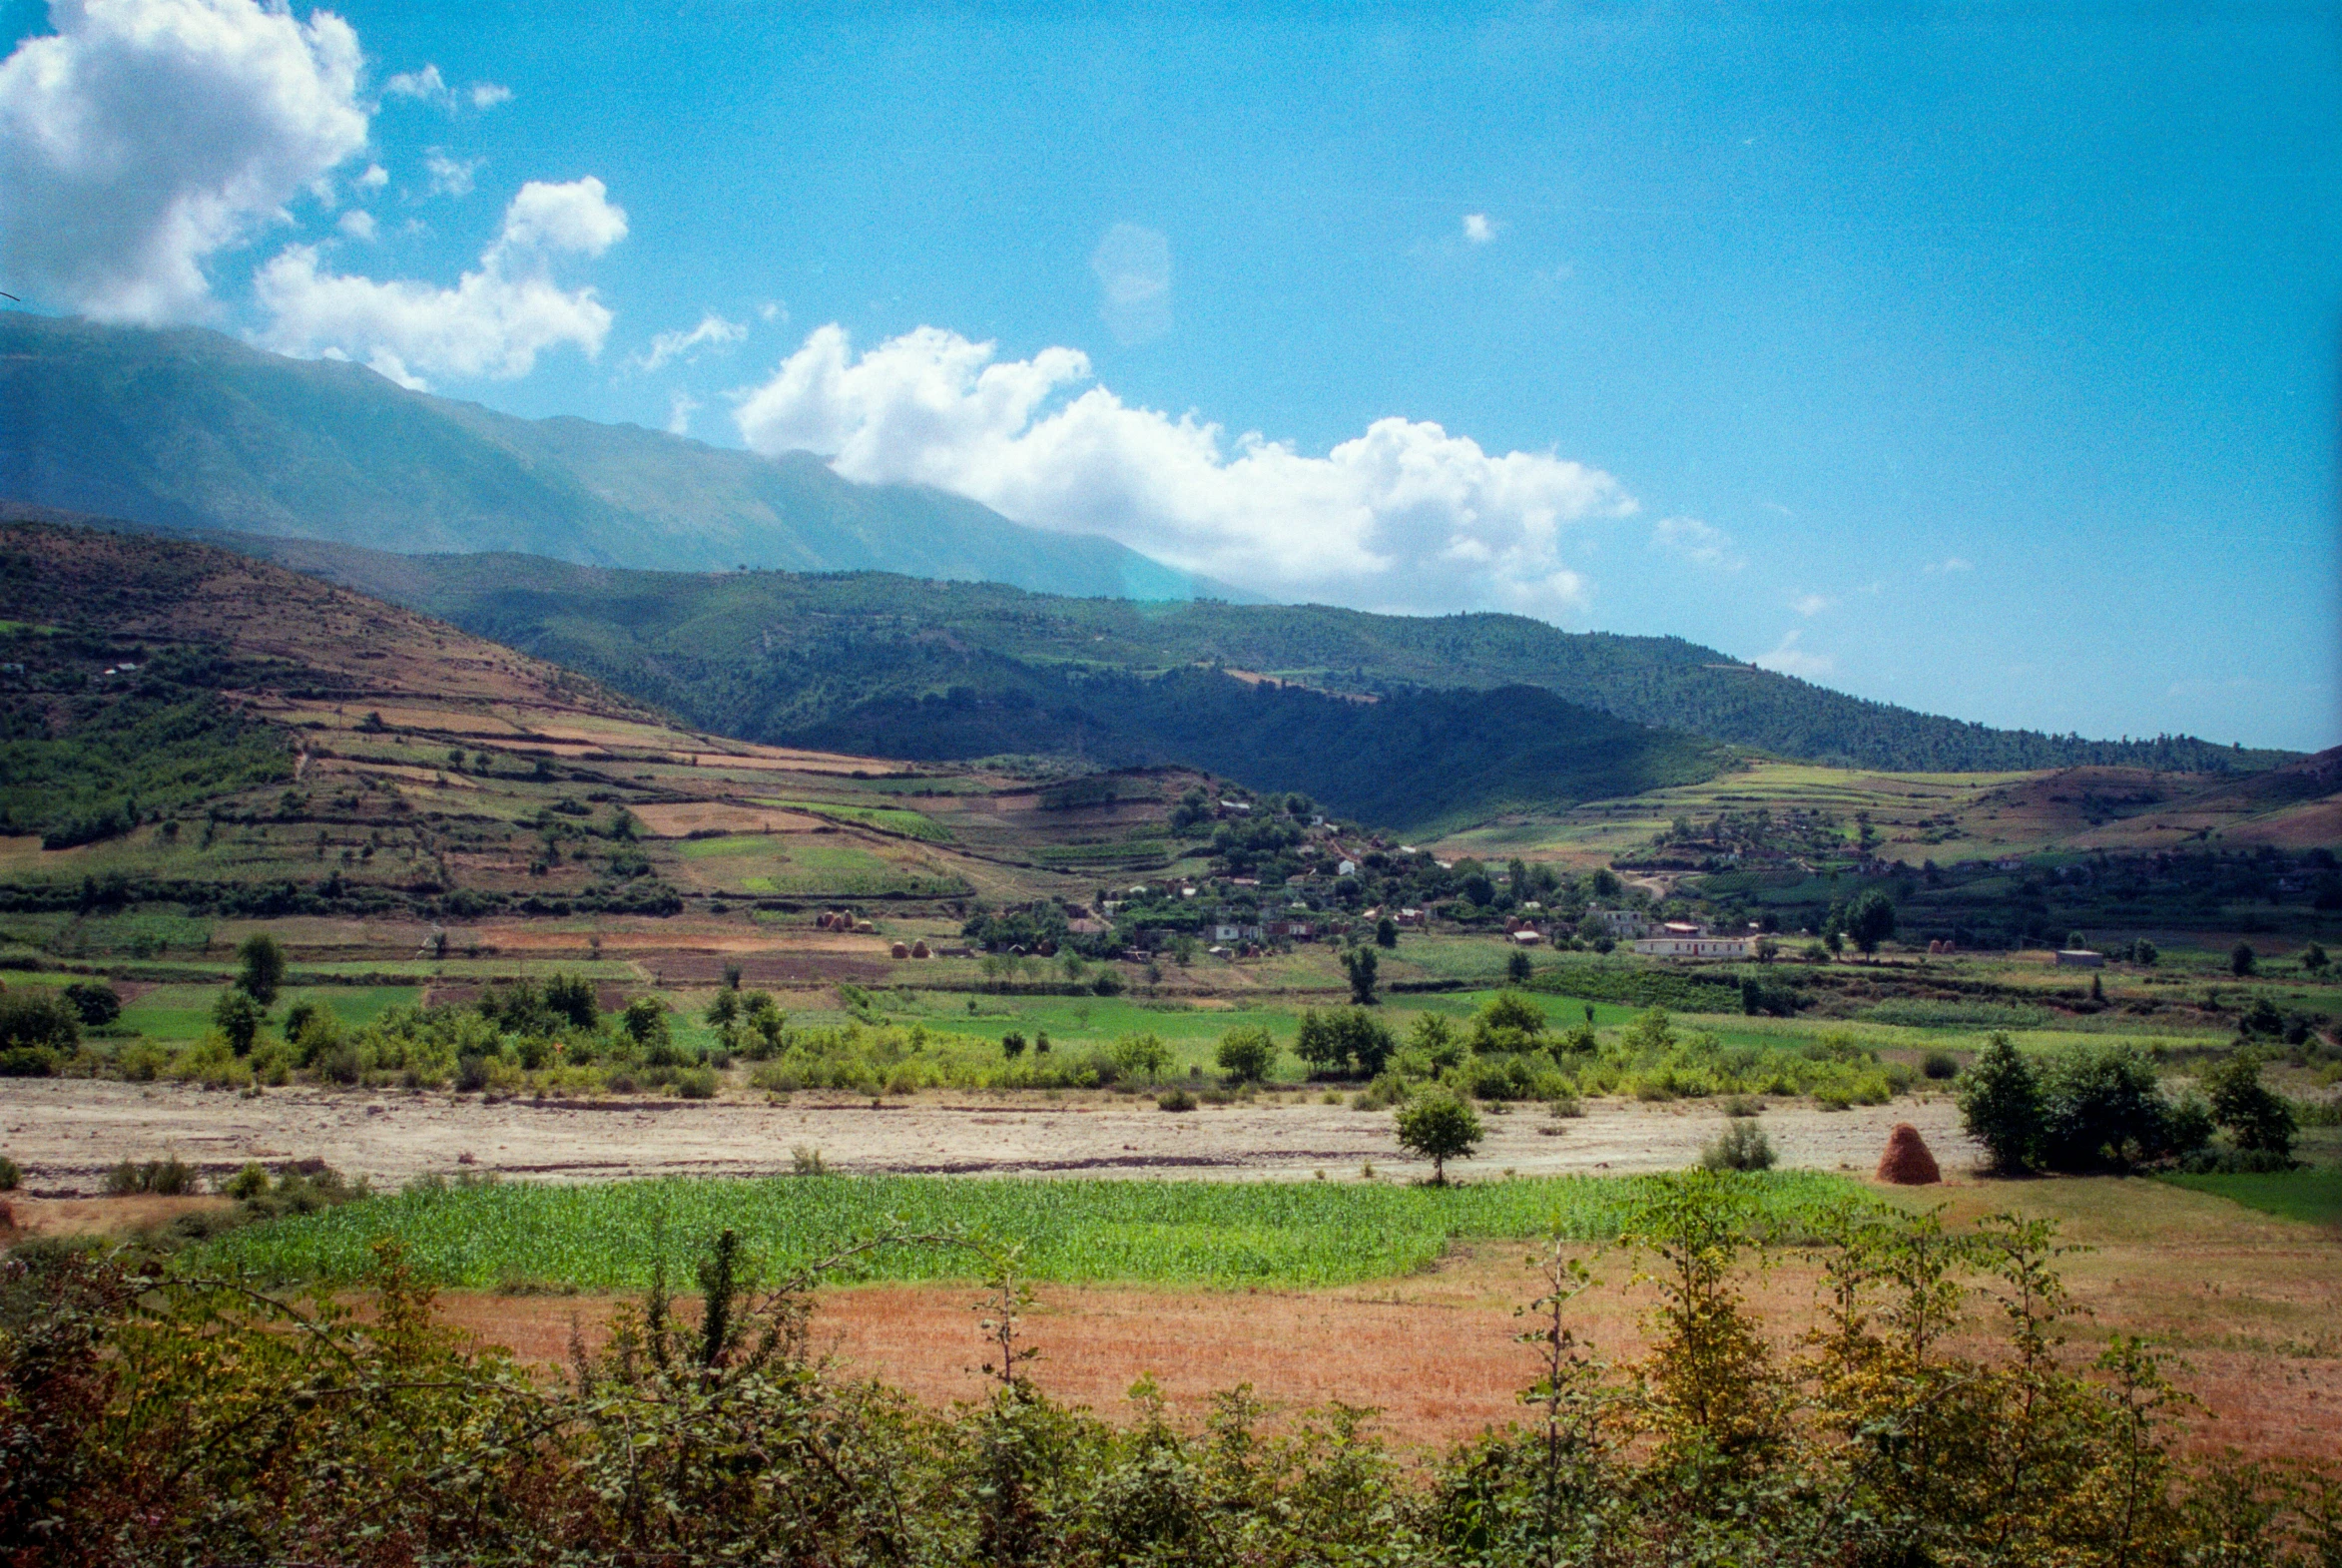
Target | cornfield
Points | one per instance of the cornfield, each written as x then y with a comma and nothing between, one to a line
606,1238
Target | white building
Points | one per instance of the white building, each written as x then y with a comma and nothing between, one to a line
1693,946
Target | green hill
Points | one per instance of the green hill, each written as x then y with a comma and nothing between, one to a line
767,653
188,428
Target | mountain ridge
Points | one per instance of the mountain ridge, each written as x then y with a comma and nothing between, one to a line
186,427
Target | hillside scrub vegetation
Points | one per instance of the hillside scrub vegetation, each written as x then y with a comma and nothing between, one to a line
1938,1415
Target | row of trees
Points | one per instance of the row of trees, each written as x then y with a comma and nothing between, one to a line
2102,1108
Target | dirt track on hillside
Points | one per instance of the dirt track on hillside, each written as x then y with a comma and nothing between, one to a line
66,1132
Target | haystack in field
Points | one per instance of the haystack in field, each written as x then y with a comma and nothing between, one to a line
1907,1162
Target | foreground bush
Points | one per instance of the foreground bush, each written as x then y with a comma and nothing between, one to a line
184,1421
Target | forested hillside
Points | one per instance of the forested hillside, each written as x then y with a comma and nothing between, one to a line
771,654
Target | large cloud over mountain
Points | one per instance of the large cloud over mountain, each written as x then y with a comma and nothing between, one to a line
493,322
142,136
1405,516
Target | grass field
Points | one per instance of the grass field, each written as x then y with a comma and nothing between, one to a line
184,1012
2314,1196
605,1238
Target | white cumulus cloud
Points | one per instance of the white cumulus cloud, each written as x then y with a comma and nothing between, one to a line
487,94
681,405
1477,229
358,223
713,331
493,322
143,137
1405,516
1789,659
1700,543
1133,267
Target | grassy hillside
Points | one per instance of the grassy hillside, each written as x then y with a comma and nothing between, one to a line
189,428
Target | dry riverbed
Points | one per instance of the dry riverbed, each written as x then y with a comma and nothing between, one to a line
66,1132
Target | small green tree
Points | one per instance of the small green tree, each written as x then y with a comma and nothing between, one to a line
2143,953
1869,920
1386,932
1516,967
261,973
2256,1118
237,1017
1359,963
1013,1044
1246,1054
2313,959
723,1016
2000,1105
2241,960
1439,1127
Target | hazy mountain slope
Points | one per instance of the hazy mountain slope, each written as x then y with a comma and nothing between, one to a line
765,654
189,428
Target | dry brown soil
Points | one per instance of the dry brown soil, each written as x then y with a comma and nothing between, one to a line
2250,1305
66,1132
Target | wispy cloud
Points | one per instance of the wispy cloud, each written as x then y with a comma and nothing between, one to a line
1811,605
1133,267
1789,659
428,85
1698,542
681,405
712,333
1948,565
452,176
487,94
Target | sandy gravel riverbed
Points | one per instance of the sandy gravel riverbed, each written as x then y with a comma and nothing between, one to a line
66,1133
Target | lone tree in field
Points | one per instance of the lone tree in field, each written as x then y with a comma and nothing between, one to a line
2000,1105
1439,1127
238,1018
1246,1054
1869,920
2242,961
262,974
1361,964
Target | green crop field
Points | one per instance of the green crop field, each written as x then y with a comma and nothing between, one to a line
184,1012
606,1238
2314,1196
891,818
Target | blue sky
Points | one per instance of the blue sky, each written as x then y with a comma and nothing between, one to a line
1981,359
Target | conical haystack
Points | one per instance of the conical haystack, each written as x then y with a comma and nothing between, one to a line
1907,1162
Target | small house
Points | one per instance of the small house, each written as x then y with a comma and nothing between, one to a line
2080,958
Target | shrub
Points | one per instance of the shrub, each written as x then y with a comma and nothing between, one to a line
169,1177
2255,1117
697,1083
37,1029
11,1175
2243,961
805,1160
1439,1127
1344,1039
261,968
2102,1110
1012,1045
237,1016
1143,1055
1175,1100
1743,1146
1940,1066
2000,1105
1246,1054
97,1004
